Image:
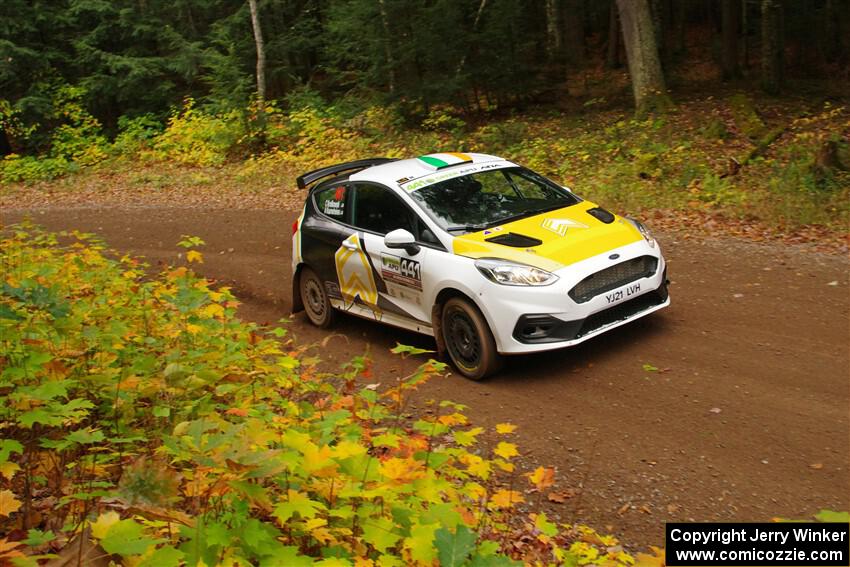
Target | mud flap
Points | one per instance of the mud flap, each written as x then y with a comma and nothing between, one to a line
297,304
437,326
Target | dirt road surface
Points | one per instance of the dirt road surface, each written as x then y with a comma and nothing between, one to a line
745,419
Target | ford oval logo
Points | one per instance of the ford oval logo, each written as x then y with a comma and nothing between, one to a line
613,256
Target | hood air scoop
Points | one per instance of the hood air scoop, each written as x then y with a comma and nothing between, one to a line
601,214
515,240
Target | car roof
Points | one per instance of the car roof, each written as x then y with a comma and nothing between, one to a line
404,170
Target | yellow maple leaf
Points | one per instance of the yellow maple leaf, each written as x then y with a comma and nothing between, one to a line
193,329
100,527
8,469
398,469
211,310
542,477
505,499
477,466
505,428
195,256
345,449
8,503
506,450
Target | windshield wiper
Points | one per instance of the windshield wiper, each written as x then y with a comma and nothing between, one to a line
533,212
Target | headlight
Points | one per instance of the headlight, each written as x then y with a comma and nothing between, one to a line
644,231
510,273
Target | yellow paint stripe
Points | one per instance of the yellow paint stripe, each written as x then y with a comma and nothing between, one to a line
460,156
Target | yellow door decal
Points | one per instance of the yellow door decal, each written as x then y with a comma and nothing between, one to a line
355,274
561,226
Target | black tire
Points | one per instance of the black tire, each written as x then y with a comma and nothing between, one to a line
469,342
317,305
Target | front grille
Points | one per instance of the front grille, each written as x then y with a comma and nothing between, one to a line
611,278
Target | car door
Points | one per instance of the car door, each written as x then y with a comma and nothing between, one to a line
400,276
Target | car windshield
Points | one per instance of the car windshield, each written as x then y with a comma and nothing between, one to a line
473,202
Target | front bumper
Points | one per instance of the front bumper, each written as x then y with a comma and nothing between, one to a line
528,319
542,329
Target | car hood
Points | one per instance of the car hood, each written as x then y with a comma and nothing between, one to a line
565,236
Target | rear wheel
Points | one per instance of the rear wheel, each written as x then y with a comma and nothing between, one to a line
468,339
315,299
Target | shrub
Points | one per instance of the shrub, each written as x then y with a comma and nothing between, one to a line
15,168
136,134
194,137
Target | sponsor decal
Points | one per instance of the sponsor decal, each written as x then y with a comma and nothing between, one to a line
561,226
492,230
355,274
412,184
402,271
333,208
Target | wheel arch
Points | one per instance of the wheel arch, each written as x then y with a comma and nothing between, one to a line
441,298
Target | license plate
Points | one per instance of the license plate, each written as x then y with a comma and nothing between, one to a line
621,294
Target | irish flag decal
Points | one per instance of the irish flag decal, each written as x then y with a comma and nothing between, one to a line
439,161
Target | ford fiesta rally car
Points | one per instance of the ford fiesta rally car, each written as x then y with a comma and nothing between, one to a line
484,255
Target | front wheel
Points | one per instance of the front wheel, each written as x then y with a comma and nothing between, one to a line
315,299
468,339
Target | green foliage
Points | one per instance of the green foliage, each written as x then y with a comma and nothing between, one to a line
143,410
136,134
30,168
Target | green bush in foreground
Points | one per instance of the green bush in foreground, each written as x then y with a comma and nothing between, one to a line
143,422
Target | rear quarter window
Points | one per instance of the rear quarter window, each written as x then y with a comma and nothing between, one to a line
332,202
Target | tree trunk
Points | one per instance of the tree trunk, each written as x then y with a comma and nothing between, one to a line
642,54
553,31
831,39
612,58
261,53
5,146
481,7
385,21
656,10
771,46
680,13
730,13
574,31
745,34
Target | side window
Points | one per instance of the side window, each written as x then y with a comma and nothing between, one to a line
379,210
332,202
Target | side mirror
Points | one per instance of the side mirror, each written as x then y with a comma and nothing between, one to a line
400,238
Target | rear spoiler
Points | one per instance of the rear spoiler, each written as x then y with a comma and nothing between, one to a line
312,176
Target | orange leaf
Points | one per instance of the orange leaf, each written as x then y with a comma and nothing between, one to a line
542,477
505,498
8,503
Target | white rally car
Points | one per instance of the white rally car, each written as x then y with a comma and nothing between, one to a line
484,255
